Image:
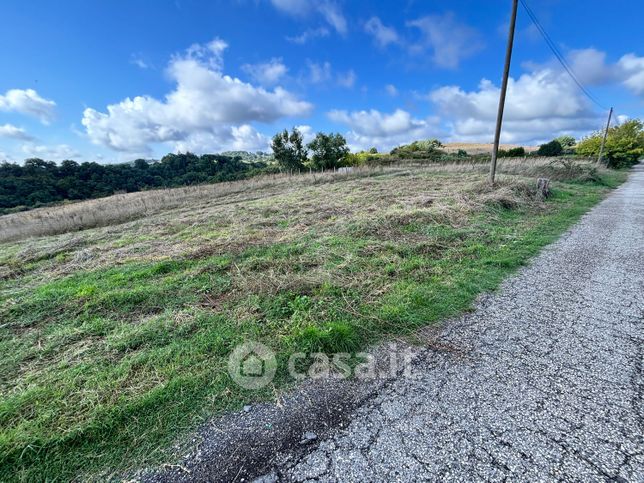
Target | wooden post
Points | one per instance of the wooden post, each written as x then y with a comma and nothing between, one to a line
601,149
543,188
504,88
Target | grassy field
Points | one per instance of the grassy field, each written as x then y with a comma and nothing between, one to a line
115,339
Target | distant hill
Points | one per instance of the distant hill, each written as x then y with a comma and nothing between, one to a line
482,148
248,157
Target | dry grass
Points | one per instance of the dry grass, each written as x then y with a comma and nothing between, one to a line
124,207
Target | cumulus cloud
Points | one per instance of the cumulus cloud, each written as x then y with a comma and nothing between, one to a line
539,106
382,34
632,73
29,102
591,68
205,104
383,130
328,10
14,132
307,133
57,152
449,40
266,73
224,138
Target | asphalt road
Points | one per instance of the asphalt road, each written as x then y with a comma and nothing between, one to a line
543,382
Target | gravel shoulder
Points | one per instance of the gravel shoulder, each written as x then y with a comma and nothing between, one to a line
546,383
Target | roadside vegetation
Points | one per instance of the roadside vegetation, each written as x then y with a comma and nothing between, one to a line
115,339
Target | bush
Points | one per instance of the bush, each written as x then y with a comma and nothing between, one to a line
624,144
553,148
516,152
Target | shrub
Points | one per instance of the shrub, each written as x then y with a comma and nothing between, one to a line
553,148
624,144
516,152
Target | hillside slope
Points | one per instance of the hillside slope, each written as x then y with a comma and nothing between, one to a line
116,338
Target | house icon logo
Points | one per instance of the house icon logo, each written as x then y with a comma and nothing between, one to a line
252,365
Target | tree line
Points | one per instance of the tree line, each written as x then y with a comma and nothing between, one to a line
38,182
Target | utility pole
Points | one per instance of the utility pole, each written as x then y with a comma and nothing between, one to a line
601,150
504,88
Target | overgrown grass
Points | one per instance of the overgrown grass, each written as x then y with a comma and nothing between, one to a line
115,340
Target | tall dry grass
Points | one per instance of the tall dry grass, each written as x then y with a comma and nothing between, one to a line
124,207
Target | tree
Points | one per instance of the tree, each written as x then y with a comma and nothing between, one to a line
566,141
289,150
553,148
328,150
624,144
373,151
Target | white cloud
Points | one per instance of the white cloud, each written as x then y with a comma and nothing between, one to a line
225,138
29,102
329,11
137,60
589,66
449,40
204,102
632,73
334,17
266,73
309,34
391,90
539,106
307,133
382,34
348,79
57,152
14,132
319,73
323,72
382,130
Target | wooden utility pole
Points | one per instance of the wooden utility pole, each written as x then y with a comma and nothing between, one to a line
601,150
504,88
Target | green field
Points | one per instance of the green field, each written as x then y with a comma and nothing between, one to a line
115,339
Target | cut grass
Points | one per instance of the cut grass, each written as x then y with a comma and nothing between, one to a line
115,340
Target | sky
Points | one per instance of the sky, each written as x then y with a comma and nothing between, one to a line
115,80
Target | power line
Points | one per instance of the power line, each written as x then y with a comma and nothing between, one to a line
558,54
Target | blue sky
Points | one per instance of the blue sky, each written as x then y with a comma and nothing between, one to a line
114,80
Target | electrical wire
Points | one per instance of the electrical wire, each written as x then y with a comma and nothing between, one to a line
558,54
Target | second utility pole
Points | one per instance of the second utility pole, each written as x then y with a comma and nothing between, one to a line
601,150
504,88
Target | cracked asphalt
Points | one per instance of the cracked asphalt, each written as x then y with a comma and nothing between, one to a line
546,383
